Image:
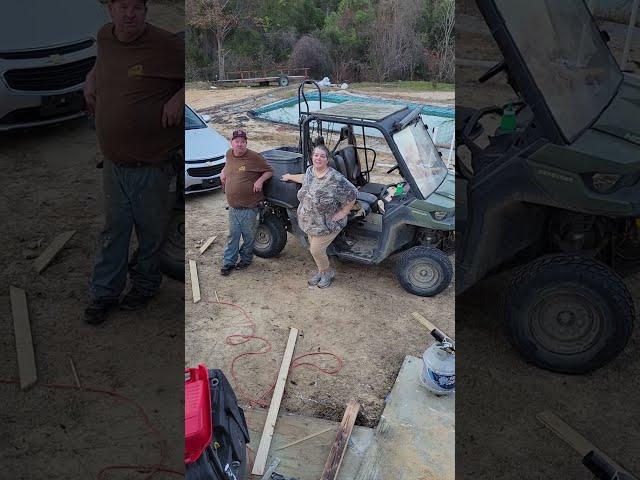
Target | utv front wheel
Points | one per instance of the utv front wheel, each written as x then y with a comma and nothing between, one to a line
424,271
568,313
271,237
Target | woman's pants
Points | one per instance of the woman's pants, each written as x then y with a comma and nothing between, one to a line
318,247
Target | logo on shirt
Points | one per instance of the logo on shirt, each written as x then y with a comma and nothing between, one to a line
136,71
242,168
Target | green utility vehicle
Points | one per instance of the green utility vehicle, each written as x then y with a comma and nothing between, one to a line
554,191
414,217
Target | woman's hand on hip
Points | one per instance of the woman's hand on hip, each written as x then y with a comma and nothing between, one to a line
336,217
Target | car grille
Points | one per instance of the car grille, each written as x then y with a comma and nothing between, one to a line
56,77
205,171
47,52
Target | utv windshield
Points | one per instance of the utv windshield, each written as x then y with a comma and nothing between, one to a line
566,56
421,157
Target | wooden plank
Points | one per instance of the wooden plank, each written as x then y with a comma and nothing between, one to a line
52,250
195,284
576,441
313,435
270,425
332,466
425,323
435,331
22,332
207,244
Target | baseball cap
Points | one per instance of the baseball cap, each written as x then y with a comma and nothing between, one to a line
239,133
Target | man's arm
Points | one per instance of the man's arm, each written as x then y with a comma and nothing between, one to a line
257,186
173,109
90,92
223,176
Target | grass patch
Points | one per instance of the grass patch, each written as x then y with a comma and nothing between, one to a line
418,86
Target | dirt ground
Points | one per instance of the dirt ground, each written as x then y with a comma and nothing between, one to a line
50,185
497,434
364,318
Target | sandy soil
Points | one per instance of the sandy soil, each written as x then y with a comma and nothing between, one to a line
50,185
497,433
364,317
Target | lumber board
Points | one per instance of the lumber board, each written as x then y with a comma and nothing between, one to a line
336,454
207,244
52,250
576,441
307,437
195,284
24,342
270,424
426,323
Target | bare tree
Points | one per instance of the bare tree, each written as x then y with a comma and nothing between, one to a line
395,47
446,43
219,17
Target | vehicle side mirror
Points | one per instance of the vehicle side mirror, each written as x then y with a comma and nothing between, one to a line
605,36
206,118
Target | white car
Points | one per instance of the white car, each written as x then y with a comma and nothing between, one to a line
204,153
47,47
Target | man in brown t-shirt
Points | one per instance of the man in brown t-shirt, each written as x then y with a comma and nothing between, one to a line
136,92
242,178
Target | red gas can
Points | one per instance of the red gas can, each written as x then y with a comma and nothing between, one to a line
197,412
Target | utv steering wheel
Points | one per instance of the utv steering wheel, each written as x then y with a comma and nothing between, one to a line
493,71
393,168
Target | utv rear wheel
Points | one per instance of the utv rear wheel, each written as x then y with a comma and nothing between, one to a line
271,237
568,313
424,271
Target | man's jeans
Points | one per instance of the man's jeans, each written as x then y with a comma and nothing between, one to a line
242,222
133,196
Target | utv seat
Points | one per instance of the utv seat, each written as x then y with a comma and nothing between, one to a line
347,163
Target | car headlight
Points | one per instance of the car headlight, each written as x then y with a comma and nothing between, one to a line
605,182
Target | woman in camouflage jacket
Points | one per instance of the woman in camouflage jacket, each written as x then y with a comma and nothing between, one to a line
326,198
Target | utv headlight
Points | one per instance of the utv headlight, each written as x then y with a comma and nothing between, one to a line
605,182
440,215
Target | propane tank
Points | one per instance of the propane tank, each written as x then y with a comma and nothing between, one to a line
439,368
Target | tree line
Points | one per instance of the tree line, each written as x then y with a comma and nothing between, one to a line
347,40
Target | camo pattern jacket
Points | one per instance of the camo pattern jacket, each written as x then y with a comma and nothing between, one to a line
320,199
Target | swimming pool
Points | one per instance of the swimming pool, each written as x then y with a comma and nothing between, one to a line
439,119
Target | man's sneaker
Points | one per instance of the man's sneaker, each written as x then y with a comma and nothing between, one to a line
226,270
313,281
134,300
326,278
96,311
242,265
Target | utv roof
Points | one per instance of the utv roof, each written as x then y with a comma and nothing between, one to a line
364,111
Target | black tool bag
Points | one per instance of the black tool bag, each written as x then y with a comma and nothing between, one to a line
226,457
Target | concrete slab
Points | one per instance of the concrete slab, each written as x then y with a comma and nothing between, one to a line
415,439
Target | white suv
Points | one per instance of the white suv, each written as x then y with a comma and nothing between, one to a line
47,47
